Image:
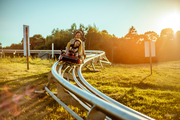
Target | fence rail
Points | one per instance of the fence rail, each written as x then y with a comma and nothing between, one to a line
31,51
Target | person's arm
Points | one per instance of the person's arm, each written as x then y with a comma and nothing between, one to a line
80,50
83,44
67,48
72,41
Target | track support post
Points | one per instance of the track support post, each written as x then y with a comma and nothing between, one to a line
94,114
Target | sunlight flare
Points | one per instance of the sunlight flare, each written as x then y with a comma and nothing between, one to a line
171,21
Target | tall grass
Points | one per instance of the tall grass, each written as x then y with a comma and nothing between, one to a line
156,95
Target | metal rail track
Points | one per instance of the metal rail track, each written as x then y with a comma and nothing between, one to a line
94,101
97,100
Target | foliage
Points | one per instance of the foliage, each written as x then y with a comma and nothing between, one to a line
167,46
128,49
15,46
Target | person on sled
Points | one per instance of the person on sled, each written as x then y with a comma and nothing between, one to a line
75,49
78,35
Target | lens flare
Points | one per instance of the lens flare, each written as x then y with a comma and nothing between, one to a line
30,90
10,101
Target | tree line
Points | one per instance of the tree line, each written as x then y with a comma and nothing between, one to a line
128,49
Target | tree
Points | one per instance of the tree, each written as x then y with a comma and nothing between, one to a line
73,28
104,31
53,31
165,46
131,34
91,36
177,37
36,40
177,44
151,35
16,46
167,34
82,27
57,34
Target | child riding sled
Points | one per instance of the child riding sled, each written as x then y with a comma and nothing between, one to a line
75,48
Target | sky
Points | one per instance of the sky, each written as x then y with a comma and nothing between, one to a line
115,16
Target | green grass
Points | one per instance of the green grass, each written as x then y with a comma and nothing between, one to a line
156,95
14,74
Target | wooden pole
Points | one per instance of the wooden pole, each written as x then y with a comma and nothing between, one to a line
27,53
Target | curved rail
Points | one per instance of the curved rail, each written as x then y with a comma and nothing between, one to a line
98,93
108,106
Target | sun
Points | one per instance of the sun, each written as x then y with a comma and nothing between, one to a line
171,21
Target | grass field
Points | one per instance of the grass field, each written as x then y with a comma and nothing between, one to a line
156,95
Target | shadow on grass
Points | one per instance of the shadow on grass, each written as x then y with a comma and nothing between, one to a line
150,85
145,78
125,98
23,82
143,84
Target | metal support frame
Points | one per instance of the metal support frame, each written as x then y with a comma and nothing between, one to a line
67,98
101,107
93,66
106,61
62,93
101,64
95,114
64,105
94,70
69,72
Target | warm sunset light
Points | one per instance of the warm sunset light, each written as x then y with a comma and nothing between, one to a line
171,21
89,59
